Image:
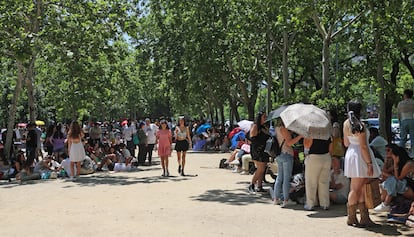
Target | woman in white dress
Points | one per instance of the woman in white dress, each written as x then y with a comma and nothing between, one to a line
75,148
360,164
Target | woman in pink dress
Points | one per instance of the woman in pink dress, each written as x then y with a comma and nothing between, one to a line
164,140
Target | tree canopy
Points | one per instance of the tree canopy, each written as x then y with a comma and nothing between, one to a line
216,59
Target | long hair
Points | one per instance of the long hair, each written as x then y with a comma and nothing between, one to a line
402,154
258,120
49,130
75,130
58,133
354,114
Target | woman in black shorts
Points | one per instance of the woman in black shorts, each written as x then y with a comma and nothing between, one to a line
182,143
259,134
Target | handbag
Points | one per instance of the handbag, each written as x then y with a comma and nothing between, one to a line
372,194
135,139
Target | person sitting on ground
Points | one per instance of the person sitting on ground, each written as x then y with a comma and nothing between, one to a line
125,156
339,183
20,161
200,143
103,157
238,140
54,164
237,161
124,162
377,142
43,166
245,160
64,164
401,182
224,147
88,166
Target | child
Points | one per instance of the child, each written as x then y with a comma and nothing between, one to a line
164,140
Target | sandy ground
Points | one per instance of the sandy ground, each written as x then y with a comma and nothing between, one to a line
210,202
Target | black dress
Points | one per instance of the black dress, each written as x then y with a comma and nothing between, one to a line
258,145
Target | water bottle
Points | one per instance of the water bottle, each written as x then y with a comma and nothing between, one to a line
62,173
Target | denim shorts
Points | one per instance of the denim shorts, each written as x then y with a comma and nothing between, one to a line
393,186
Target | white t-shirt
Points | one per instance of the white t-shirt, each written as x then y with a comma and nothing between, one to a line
127,133
151,131
66,166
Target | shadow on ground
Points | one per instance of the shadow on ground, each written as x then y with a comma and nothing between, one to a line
232,197
104,178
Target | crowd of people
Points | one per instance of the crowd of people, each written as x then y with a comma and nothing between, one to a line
334,170
95,146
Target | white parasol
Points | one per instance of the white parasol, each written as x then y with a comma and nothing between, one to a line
307,120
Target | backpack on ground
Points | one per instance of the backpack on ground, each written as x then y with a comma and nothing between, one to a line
223,164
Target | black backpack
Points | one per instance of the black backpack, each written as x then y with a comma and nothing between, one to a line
222,164
272,147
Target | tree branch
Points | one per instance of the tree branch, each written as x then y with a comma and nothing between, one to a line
319,25
347,24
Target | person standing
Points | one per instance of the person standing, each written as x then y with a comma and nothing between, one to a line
142,145
39,143
284,163
360,164
405,110
182,143
259,134
58,140
317,172
164,140
151,131
31,146
128,133
76,151
95,133
48,145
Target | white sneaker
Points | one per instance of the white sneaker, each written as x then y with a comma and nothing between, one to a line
235,162
382,208
244,173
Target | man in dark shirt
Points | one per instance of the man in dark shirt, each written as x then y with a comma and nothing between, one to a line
31,145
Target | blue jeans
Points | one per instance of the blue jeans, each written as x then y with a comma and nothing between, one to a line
407,127
284,174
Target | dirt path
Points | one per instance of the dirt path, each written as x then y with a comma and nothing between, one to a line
142,203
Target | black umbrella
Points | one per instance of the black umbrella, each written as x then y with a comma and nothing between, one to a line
274,114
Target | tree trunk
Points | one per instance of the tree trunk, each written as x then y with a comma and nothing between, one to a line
269,77
406,61
379,61
390,100
285,70
233,110
13,109
29,79
325,65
